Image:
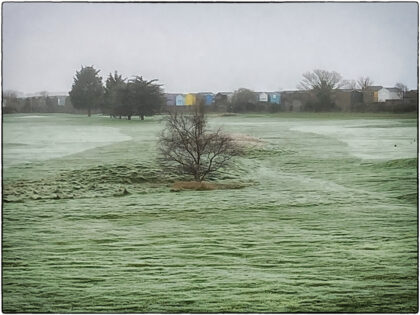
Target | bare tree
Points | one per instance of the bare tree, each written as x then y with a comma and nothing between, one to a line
187,143
350,84
321,83
402,87
364,82
320,80
10,101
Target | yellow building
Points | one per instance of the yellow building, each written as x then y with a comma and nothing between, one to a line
370,94
190,99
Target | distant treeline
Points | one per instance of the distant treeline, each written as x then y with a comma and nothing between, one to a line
319,91
119,97
237,102
37,104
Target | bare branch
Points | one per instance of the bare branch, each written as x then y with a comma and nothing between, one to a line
364,82
320,79
187,143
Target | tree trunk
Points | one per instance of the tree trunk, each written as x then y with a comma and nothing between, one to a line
129,117
120,116
197,175
142,117
89,112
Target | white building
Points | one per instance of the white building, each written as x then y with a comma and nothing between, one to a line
263,97
389,94
61,100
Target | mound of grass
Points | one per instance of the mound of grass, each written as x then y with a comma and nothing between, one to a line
400,163
99,181
117,180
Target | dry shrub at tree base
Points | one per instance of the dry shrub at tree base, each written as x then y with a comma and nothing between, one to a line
193,185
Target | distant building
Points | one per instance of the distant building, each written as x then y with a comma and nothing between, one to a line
411,96
208,97
170,99
385,94
180,100
346,99
61,100
190,99
274,97
370,94
221,98
262,97
228,95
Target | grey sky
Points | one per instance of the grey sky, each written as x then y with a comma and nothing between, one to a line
208,47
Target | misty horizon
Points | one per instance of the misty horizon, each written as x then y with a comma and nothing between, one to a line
215,47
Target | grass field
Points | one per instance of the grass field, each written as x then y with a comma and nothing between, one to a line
326,222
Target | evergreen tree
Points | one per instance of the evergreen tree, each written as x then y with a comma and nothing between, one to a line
49,104
115,87
143,98
244,100
87,90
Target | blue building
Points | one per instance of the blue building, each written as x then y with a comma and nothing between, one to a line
209,98
274,98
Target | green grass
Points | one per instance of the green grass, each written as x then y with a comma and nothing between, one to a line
315,229
329,115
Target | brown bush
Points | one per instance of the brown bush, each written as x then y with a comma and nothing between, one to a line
193,185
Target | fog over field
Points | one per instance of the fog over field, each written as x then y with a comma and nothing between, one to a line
46,140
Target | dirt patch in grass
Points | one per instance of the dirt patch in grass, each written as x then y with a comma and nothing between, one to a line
247,140
193,185
227,114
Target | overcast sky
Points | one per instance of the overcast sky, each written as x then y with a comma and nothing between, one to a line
208,47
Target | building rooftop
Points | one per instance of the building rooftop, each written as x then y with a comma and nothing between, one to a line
374,87
393,89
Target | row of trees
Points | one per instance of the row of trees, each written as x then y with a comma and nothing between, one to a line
44,103
322,83
246,100
322,79
119,97
137,96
